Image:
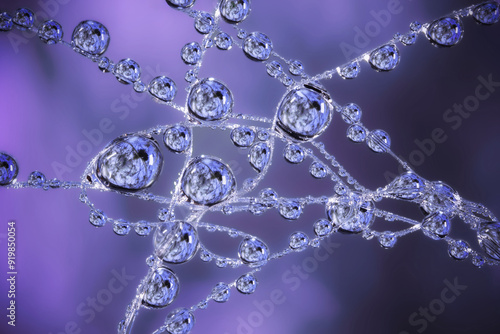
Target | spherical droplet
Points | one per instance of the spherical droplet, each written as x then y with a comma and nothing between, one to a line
127,71
8,169
163,88
408,186
387,239
259,156
290,209
268,197
177,138
162,287
436,226
207,181
409,38
379,141
304,113
488,236
180,4
356,133
235,11
223,41
445,32
221,293
246,284
142,228
204,23
36,179
210,100
121,227
97,218
351,113
90,38
242,136
253,252
50,32
274,69
179,321
385,58
351,213
24,18
296,68
350,71
5,22
130,162
175,242
440,197
323,227
191,53
257,46
458,249
293,153
487,13
298,241
318,170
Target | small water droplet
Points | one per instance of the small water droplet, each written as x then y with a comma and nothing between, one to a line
127,71
246,284
162,288
50,32
290,209
487,13
257,46
445,32
356,133
350,71
204,23
176,242
253,252
223,41
385,58
221,293
210,100
191,53
163,88
235,11
242,136
298,241
259,156
179,321
379,141
90,38
177,138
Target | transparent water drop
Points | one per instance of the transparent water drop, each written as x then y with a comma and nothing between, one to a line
180,4
204,23
50,32
191,75
5,22
385,58
142,228
458,249
440,197
139,87
268,197
415,26
163,214
191,53
127,71
478,261
163,88
175,242
290,209
323,227
298,241
223,41
274,69
221,262
259,156
97,218
130,162
24,18
90,38
487,13
408,186
121,227
387,239
207,181
356,133
351,213
235,11
246,284
351,113
210,100
378,141
162,287
105,65
263,135
257,46
8,169
304,113
445,32
179,321
294,153
436,226
242,136
177,138
318,170
488,236
409,38
205,256
296,67
350,71
36,179
253,252
221,293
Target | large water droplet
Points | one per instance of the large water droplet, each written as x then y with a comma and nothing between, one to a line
446,32
242,136
207,181
163,88
304,113
436,226
24,18
351,213
176,242
258,46
130,162
204,23
235,11
5,22
177,138
162,288
408,186
210,100
90,38
440,197
127,71
179,321
259,156
180,4
488,235
487,13
253,252
385,58
8,169
50,32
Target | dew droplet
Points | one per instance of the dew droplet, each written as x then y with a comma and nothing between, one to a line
487,13
175,242
351,213
440,197
142,228
207,181
177,138
90,38
127,71
274,69
296,67
163,88
36,179
458,249
409,38
351,113
210,100
356,133
242,136
318,170
259,156
162,287
379,141
488,236
204,23
121,227
8,169
298,241
445,32
436,226
179,321
97,218
304,113
50,32
5,22
24,18
180,4
221,293
253,252
290,209
350,71
293,153
408,186
385,58
223,41
257,46
246,284
130,162
387,239
235,11
191,53
268,197
323,227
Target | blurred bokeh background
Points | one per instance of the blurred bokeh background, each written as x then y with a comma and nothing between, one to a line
52,97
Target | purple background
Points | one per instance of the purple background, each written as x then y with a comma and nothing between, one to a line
50,96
